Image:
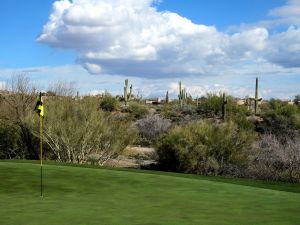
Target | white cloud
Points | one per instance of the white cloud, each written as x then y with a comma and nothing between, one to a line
132,38
96,92
92,68
196,90
245,43
273,83
288,14
284,48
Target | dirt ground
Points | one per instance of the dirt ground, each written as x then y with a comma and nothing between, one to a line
135,157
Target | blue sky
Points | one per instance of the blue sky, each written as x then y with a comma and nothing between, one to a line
221,13
210,45
21,23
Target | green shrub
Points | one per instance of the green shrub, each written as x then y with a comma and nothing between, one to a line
137,110
108,103
210,105
280,119
10,141
77,131
203,147
171,111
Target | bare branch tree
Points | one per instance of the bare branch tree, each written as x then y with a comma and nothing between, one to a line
61,88
15,105
275,160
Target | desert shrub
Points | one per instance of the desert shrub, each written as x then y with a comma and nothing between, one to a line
210,105
151,127
243,122
15,140
179,114
10,141
297,100
278,108
172,112
203,147
14,107
187,109
108,103
280,119
137,110
75,130
275,160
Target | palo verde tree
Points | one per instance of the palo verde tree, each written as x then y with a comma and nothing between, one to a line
76,131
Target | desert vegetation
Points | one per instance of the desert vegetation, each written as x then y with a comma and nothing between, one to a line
209,135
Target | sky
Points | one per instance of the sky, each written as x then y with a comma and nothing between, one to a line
209,45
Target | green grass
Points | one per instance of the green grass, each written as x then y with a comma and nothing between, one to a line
89,196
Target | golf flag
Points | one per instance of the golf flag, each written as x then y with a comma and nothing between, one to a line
39,108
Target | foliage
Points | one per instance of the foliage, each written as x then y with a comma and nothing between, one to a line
280,119
210,105
297,99
75,130
108,103
203,147
151,127
170,111
275,160
61,88
10,141
179,114
137,110
14,107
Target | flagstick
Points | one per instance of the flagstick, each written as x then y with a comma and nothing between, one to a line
41,147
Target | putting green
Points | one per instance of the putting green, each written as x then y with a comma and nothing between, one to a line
88,196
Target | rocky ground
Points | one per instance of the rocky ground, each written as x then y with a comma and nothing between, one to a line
135,157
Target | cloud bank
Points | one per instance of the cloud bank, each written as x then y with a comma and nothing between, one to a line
286,15
133,38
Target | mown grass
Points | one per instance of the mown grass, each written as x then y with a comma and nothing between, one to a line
76,195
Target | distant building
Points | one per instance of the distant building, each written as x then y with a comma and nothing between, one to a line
154,101
241,101
288,101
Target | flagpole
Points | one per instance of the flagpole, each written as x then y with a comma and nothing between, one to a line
39,108
41,148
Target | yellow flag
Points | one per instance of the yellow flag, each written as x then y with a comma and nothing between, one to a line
39,107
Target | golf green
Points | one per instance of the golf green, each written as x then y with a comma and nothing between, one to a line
90,196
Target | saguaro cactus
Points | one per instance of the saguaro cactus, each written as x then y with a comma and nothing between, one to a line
167,97
224,103
256,99
182,94
127,95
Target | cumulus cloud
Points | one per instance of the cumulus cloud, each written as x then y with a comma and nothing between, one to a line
96,92
92,68
244,44
284,48
289,14
132,38
197,90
